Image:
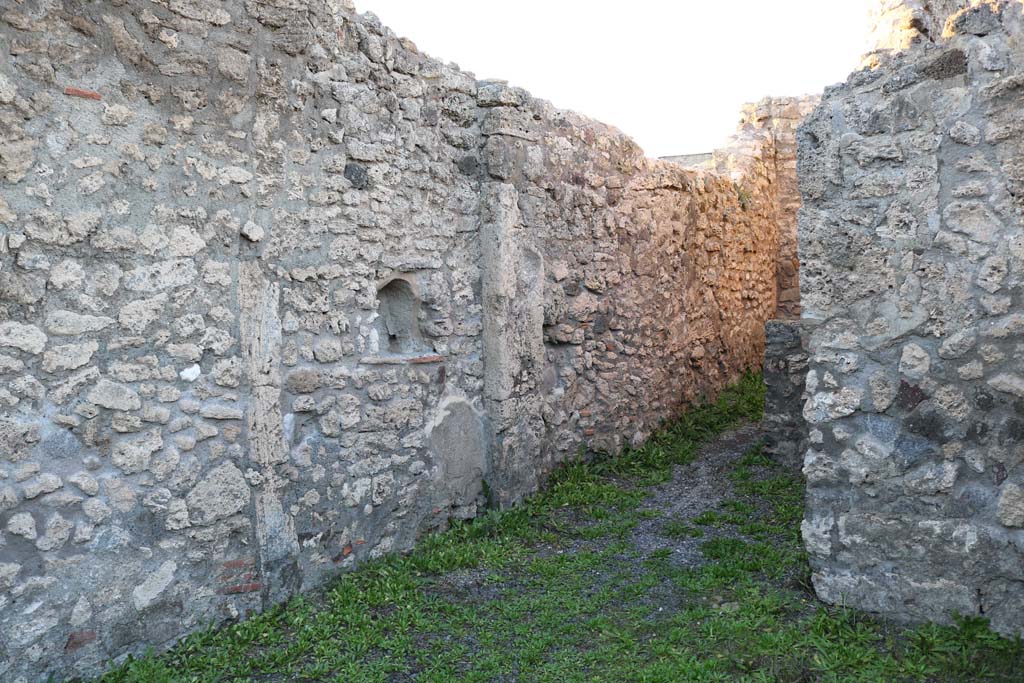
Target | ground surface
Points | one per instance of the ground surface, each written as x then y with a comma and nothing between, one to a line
677,562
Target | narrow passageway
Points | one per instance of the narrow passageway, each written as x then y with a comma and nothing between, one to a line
676,561
297,319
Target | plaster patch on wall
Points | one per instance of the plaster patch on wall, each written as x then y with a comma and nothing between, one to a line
458,443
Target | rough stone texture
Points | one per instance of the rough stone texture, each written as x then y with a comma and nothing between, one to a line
778,118
774,119
647,294
279,293
912,265
785,371
900,24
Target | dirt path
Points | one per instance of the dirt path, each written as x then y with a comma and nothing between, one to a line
695,489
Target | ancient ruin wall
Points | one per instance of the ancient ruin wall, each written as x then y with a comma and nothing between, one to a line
785,376
240,314
777,118
912,266
278,293
633,287
899,24
774,119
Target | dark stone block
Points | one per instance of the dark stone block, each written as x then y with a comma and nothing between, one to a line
984,400
785,371
929,424
358,176
469,166
912,450
947,65
977,21
977,432
910,396
1012,432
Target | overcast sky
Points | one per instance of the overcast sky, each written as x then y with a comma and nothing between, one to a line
670,73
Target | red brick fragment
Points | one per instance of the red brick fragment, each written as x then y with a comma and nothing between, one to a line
239,563
345,552
79,639
79,92
241,588
426,359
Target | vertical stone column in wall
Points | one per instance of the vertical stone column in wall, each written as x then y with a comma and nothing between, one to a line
261,352
513,319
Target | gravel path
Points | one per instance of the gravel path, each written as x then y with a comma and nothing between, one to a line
695,488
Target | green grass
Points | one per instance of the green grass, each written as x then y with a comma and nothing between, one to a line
555,591
676,529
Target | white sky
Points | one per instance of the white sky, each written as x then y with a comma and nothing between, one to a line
670,73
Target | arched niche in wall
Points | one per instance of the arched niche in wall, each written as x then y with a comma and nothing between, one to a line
398,322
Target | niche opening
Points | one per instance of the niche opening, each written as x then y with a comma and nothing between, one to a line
399,324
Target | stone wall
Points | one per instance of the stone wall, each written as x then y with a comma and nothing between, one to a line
912,266
778,118
631,287
278,293
899,24
785,375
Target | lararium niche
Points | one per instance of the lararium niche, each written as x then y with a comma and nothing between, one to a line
398,320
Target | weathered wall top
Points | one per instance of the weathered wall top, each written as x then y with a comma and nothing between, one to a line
899,24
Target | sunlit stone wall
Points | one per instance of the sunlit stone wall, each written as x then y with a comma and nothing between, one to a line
898,24
279,293
778,117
